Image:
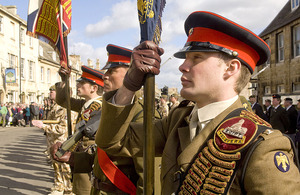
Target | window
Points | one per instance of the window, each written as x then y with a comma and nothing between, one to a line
31,69
30,41
54,56
13,32
48,75
22,68
294,4
42,74
22,35
280,89
41,51
296,40
296,87
267,90
280,47
1,24
12,60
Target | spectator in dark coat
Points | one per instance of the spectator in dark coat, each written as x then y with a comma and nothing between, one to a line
14,110
256,107
34,112
292,115
279,118
19,119
298,118
268,109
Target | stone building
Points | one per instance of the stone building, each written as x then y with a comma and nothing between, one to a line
34,61
281,74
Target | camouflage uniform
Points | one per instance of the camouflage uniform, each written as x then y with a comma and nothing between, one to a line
58,133
163,109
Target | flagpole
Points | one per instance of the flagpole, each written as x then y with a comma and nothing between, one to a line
149,148
67,83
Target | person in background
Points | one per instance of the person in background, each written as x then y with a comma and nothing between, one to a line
9,115
279,118
292,116
3,113
174,101
14,110
163,106
267,109
27,114
19,119
41,112
256,107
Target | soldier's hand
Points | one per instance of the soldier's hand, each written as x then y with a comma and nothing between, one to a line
66,158
145,59
37,123
64,73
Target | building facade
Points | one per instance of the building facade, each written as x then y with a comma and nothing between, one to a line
281,74
34,62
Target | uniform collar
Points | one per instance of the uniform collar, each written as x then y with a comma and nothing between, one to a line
88,103
212,110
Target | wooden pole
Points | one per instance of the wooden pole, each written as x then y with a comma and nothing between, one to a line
149,149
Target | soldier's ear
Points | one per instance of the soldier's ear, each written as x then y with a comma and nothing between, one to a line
233,67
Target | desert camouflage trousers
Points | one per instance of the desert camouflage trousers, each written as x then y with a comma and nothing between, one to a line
62,177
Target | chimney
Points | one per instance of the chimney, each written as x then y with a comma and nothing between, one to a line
90,63
12,9
98,64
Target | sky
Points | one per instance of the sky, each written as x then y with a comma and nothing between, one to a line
97,23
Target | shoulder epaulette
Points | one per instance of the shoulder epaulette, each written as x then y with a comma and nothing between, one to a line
96,104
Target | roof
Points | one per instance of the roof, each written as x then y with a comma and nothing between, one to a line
48,52
284,17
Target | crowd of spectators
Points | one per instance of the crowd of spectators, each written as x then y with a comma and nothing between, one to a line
17,114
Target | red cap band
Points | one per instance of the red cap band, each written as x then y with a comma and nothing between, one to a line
246,52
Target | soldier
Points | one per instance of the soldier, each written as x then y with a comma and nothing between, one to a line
90,88
56,131
204,148
174,101
163,106
132,168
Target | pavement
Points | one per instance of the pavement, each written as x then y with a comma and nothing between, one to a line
23,165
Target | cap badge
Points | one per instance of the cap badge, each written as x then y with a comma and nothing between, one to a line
281,162
191,31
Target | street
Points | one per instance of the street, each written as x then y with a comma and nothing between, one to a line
23,165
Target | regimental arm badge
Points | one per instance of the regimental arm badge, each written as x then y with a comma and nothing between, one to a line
234,134
281,162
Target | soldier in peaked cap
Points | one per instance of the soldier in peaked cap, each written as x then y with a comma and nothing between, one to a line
90,88
215,146
131,168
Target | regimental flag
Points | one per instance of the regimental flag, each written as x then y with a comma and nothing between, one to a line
150,12
50,20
